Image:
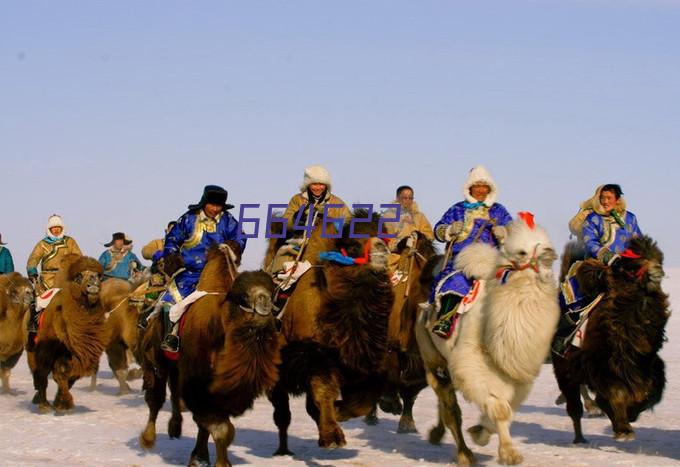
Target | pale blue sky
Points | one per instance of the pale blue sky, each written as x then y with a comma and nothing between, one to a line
115,114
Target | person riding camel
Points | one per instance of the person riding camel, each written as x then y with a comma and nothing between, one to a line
154,249
6,263
411,220
478,218
603,226
315,193
205,224
118,260
48,254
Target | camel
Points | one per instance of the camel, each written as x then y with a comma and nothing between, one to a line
501,340
405,370
618,357
334,327
71,337
16,298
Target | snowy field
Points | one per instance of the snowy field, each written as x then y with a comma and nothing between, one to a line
104,429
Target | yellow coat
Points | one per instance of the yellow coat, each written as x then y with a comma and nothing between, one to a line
408,223
152,247
49,257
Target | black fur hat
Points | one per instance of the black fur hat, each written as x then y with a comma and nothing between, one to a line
118,236
212,194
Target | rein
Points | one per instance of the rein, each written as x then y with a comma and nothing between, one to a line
531,264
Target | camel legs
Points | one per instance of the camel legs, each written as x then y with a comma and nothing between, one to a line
572,393
281,403
200,455
154,395
175,422
117,356
408,396
40,382
616,408
63,401
324,392
450,415
497,413
5,371
223,435
371,417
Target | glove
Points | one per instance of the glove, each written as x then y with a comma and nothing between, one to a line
500,233
172,263
453,230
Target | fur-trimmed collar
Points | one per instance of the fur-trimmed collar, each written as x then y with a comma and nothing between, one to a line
414,207
480,174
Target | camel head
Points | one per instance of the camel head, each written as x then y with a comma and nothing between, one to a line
19,292
528,247
85,279
360,241
251,296
641,262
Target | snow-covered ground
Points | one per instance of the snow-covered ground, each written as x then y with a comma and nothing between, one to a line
104,429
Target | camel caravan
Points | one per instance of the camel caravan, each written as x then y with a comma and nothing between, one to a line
353,309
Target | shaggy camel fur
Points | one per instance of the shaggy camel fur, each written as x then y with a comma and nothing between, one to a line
16,298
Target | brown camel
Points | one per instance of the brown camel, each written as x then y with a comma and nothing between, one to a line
71,336
335,330
160,371
16,298
618,358
405,370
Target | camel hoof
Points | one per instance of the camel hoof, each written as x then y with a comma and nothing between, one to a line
371,420
9,392
147,439
283,452
45,407
407,426
465,458
123,390
580,440
198,462
624,436
480,435
175,427
335,439
436,434
560,399
594,412
509,455
36,398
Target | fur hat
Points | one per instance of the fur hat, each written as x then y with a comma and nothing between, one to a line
118,236
55,221
316,174
212,194
480,176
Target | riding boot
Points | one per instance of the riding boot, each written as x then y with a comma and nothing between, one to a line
444,327
170,341
32,328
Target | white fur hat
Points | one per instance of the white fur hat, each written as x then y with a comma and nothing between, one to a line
55,221
479,175
316,174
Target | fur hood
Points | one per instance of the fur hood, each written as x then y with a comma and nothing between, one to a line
593,203
55,221
316,174
479,174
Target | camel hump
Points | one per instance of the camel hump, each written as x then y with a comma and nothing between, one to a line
477,261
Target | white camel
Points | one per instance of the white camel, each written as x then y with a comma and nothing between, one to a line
500,342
